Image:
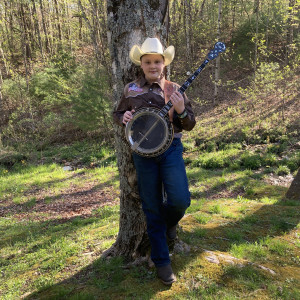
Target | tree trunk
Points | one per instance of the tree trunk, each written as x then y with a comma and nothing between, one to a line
187,30
233,16
47,46
66,24
2,55
25,33
129,23
8,14
80,27
256,11
289,31
102,33
26,50
50,19
58,25
1,99
294,190
218,61
37,28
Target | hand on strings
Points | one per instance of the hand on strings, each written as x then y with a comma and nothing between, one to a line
128,116
178,102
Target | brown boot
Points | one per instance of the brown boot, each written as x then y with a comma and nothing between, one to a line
166,275
172,232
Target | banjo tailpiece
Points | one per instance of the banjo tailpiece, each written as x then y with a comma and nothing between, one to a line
150,133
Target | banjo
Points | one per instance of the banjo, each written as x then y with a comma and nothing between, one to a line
149,132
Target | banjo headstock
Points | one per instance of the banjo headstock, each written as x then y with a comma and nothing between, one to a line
218,48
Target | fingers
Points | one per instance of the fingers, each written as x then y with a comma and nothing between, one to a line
127,116
177,101
176,97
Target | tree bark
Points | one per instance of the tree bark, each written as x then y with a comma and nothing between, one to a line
129,23
294,189
187,30
8,14
58,25
218,60
1,99
25,33
37,28
26,50
289,31
2,55
256,11
47,46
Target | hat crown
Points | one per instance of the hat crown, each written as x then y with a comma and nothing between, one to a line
152,45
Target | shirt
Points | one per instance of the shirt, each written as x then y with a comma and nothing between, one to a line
140,93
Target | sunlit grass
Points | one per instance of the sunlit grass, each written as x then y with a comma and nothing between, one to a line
16,183
250,221
43,250
254,252
202,218
19,180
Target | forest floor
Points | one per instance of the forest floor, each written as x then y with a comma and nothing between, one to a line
240,238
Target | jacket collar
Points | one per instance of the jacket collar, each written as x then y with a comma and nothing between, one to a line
160,82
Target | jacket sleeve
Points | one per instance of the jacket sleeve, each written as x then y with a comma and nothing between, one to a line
188,122
121,109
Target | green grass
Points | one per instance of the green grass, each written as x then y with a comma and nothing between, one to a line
202,218
233,211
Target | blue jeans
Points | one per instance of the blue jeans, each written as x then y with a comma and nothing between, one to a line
166,170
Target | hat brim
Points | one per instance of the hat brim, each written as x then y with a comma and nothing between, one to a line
136,53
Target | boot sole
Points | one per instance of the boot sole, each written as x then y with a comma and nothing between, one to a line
168,282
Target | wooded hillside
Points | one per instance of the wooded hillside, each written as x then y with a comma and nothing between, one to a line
55,64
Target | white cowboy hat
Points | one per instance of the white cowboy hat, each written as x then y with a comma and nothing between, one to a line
151,46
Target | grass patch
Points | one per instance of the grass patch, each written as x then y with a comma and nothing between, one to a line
196,205
233,210
246,277
215,209
253,252
202,218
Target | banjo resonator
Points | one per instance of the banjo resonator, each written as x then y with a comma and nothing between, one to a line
149,132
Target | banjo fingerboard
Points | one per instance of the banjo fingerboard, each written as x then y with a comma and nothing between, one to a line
189,81
163,112
219,47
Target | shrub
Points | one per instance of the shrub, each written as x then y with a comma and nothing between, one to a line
40,114
230,146
251,161
63,101
292,162
9,158
277,148
269,160
282,170
211,146
91,103
215,162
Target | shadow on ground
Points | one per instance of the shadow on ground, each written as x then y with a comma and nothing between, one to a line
113,279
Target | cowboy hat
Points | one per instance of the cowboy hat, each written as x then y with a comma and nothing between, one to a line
151,46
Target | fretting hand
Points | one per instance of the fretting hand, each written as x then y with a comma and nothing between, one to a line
178,102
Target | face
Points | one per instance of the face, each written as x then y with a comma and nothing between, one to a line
153,66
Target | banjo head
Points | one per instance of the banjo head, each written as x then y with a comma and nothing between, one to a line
148,133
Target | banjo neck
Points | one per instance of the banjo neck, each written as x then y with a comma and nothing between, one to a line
219,47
